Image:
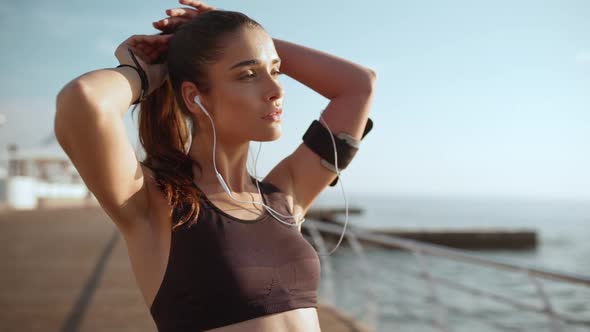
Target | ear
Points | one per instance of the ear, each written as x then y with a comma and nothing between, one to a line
189,92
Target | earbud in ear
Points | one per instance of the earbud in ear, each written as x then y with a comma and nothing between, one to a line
198,102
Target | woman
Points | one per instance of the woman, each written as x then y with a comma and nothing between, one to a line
205,253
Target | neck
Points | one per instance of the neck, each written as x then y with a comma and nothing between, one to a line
230,159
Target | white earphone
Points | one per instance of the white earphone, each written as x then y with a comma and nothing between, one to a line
226,188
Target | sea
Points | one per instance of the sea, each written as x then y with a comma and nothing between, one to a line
392,293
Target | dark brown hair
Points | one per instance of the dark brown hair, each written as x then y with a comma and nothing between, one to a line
163,130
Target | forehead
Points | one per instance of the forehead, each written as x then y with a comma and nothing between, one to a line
248,44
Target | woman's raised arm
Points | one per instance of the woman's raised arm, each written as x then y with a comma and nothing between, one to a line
349,87
89,127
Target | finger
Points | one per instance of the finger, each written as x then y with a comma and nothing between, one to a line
168,28
153,53
151,56
139,39
170,22
152,47
145,46
201,6
142,48
183,12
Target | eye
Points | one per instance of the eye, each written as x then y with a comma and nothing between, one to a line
248,75
252,74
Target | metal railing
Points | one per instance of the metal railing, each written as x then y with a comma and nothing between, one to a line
439,319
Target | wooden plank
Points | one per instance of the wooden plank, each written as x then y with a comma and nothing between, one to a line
66,270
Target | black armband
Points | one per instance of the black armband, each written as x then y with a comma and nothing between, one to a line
318,139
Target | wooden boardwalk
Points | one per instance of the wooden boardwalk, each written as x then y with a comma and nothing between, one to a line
67,269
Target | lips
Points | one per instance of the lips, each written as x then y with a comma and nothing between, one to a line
275,112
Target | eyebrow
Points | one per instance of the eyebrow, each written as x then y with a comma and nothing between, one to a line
252,62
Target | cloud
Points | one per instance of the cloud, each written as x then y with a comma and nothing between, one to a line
583,58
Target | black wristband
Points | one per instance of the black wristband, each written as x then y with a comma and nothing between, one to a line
137,70
142,76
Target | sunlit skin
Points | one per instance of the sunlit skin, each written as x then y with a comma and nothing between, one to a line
245,86
238,99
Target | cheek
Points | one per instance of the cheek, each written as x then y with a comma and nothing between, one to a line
240,103
236,111
238,93
243,97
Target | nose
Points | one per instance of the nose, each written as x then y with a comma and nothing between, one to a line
274,91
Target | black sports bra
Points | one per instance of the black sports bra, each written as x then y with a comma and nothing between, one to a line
224,270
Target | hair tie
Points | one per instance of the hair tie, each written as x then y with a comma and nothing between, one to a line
142,75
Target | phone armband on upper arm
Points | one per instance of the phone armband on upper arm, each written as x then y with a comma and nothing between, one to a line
318,139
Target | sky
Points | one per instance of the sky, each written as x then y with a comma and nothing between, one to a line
473,98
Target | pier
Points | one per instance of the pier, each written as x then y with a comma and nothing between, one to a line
67,269
472,239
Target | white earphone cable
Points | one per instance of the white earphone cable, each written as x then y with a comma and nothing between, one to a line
268,208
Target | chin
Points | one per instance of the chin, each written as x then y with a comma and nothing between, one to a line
270,136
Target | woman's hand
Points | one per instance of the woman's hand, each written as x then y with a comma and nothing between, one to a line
147,48
180,16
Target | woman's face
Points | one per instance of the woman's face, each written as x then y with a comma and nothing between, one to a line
245,87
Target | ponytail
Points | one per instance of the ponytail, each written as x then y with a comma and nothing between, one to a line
163,130
166,137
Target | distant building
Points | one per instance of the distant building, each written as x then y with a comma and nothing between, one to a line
47,163
42,175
